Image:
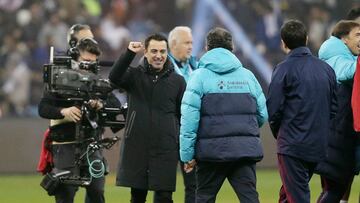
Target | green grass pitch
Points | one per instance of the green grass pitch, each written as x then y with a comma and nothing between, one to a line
26,189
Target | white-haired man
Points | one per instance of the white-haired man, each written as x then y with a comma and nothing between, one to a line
180,44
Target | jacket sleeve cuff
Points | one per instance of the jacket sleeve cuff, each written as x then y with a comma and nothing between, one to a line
186,156
130,52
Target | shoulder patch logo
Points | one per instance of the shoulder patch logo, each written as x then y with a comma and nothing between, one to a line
221,84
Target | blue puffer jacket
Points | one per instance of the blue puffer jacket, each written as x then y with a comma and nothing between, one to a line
221,111
334,52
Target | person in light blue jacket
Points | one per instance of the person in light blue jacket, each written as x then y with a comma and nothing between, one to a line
340,51
221,112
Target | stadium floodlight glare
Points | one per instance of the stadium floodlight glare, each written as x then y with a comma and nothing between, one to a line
203,21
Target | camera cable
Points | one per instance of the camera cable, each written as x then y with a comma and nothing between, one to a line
99,170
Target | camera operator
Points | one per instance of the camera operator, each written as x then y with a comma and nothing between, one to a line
64,115
80,31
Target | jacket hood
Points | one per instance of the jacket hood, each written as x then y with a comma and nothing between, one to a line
333,47
220,60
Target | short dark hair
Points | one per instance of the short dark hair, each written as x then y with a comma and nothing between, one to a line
219,38
353,14
156,37
294,34
343,28
89,45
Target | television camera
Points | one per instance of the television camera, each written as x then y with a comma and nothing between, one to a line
80,82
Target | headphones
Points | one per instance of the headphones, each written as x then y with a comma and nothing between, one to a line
74,51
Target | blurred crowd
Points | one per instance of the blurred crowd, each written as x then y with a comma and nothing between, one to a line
29,28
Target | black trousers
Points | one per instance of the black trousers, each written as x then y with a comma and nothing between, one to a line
189,183
211,175
64,159
139,196
94,192
295,176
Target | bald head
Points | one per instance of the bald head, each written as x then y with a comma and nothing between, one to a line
180,42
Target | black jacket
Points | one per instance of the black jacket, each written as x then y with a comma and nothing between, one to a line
149,152
49,108
339,164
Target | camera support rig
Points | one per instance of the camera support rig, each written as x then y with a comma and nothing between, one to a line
80,86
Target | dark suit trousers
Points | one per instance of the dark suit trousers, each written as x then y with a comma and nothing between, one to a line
211,175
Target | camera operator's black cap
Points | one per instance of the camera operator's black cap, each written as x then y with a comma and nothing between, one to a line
72,40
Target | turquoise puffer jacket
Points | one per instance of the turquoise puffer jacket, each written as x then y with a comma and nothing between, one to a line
223,104
334,52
